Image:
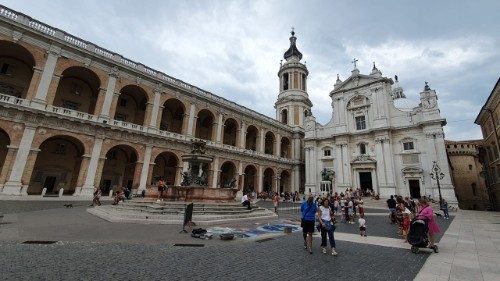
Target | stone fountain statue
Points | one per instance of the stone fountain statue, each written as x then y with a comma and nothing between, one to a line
198,163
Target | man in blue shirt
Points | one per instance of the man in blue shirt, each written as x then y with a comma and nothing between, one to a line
308,210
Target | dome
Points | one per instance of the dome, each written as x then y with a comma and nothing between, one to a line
405,104
292,51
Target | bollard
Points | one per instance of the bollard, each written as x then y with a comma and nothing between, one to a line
44,190
110,193
61,191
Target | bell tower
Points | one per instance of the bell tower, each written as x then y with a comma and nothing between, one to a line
293,103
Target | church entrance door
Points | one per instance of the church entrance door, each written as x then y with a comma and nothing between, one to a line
365,181
414,188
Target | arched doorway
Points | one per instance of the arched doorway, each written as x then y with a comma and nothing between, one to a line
204,125
285,148
230,132
269,143
228,175
16,69
172,116
268,180
119,168
57,166
4,143
285,183
250,181
284,116
165,167
131,105
78,90
251,138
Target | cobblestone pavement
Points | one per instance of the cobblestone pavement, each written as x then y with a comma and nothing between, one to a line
90,248
279,259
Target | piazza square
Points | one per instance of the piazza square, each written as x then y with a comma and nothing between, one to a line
165,140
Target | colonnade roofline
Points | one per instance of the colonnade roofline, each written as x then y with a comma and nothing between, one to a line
19,19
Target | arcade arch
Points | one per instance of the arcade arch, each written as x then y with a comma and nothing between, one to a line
250,179
172,116
285,148
204,124
285,183
268,180
131,105
57,165
119,168
16,69
269,143
78,90
165,167
251,138
230,132
228,175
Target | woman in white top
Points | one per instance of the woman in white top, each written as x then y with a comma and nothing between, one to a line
325,215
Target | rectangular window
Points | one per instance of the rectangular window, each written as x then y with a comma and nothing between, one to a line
470,167
410,159
474,191
408,145
60,149
360,123
327,152
303,82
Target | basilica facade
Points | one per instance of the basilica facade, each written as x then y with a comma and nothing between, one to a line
378,140
74,116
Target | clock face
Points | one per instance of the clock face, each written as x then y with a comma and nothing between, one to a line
429,103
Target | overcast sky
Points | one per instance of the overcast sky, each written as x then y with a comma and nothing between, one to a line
233,48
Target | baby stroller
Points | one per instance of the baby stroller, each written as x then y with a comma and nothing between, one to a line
417,236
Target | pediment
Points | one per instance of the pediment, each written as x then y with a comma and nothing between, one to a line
358,81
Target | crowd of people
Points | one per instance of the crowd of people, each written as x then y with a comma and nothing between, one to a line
320,212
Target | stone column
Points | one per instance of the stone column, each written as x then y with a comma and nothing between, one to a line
260,179
339,165
381,175
88,186
114,104
389,165
101,95
13,185
296,179
155,110
136,180
145,168
278,145
35,80
215,169
220,127
108,97
192,120
158,118
347,171
242,132
40,99
84,165
9,158
262,141
147,114
98,174
28,170
185,121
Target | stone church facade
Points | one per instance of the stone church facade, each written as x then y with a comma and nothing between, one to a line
377,140
74,116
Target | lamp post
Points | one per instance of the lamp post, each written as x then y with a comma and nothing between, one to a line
437,175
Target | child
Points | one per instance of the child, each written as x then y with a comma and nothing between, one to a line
405,228
362,225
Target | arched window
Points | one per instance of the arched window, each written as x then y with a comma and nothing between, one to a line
362,149
284,116
285,81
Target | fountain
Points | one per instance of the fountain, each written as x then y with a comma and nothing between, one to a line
195,181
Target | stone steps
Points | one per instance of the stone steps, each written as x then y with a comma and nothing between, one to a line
112,214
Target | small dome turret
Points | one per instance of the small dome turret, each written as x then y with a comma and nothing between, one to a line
292,51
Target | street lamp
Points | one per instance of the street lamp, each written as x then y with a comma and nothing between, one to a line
437,175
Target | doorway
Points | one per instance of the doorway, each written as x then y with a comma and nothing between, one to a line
50,183
106,186
365,181
414,188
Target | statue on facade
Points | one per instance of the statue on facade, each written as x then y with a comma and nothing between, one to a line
327,175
